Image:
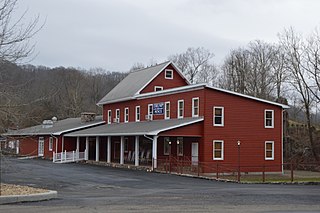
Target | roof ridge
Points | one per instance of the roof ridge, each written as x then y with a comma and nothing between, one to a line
142,69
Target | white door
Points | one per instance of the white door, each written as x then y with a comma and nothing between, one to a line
41,146
195,154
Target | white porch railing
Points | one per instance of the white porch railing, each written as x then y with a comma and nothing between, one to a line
66,157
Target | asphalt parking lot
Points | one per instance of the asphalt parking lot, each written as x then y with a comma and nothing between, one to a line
89,188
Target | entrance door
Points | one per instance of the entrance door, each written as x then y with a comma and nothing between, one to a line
41,146
195,154
116,151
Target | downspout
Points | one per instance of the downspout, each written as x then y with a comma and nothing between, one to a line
57,140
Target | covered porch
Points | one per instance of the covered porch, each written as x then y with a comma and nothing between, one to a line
138,143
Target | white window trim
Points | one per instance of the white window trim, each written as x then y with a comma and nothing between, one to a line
193,99
126,114
150,113
109,116
214,116
178,109
138,107
165,110
265,150
265,117
222,149
158,87
165,73
117,110
50,143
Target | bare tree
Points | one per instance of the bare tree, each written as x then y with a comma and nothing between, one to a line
195,64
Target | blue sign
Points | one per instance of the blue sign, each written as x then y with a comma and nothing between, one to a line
158,108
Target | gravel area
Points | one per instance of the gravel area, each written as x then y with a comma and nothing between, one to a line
10,189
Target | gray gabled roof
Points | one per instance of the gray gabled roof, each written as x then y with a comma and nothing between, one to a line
134,83
58,128
135,128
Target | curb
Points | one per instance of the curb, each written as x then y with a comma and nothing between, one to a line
28,198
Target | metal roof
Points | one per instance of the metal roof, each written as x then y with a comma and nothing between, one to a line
58,128
135,128
132,85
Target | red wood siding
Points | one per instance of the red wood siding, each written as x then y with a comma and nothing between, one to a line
243,121
143,103
190,130
160,80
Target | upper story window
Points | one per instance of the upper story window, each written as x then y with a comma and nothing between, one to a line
167,110
109,116
137,113
269,150
158,88
126,114
218,116
50,143
217,150
150,111
268,118
117,119
168,74
180,108
195,107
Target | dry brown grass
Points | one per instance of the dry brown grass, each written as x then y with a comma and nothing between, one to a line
10,189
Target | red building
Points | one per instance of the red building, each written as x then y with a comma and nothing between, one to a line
155,113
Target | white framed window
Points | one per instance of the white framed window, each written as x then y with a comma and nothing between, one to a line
269,150
50,143
269,118
158,88
180,108
166,146
179,146
150,109
218,150
137,113
167,110
126,114
218,116
117,115
168,74
195,107
109,116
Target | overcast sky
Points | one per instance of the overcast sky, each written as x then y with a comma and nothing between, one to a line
115,34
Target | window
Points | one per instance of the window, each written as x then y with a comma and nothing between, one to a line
195,107
118,115
137,113
109,116
269,153
126,145
158,88
268,118
180,146
50,143
126,114
168,74
217,150
166,146
167,110
218,116
150,109
180,108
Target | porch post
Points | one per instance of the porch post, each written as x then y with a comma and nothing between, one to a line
109,150
136,151
122,150
62,144
78,144
154,151
97,148
87,149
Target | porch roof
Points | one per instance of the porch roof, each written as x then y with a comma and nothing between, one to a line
135,128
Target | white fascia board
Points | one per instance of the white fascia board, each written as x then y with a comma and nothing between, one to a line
171,91
115,101
249,97
105,134
180,72
78,128
176,126
138,92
